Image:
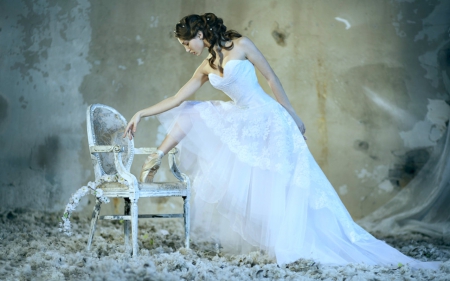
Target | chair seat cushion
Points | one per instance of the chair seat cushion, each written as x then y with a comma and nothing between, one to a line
113,186
144,186
161,185
163,189
152,189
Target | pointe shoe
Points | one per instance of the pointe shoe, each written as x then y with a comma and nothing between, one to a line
151,166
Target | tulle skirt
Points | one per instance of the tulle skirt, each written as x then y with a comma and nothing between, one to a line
256,186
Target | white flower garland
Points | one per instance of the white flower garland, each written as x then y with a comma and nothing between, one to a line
91,187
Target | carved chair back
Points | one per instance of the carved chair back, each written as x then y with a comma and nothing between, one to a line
105,126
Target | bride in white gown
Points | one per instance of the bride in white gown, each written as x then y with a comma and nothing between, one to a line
255,183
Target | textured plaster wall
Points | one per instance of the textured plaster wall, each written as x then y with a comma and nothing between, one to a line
44,47
369,78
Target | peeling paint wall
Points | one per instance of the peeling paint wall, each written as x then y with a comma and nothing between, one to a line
44,46
369,78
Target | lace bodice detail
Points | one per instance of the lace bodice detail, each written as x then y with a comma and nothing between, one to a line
240,83
254,126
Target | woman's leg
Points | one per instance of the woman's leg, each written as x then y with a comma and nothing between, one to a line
172,139
153,161
167,144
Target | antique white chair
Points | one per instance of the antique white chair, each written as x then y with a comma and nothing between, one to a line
111,154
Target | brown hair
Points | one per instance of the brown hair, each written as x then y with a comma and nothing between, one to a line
213,30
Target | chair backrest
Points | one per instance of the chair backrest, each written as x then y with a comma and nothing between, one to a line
105,126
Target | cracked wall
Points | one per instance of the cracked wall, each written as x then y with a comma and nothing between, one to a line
369,78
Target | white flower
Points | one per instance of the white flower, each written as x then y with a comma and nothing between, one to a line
76,197
91,187
98,192
83,191
70,207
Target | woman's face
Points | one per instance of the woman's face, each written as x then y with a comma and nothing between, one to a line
195,45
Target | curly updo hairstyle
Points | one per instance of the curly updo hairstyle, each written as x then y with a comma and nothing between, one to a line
214,31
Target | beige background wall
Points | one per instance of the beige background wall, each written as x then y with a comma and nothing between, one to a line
370,79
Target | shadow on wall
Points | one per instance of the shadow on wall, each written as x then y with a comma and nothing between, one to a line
3,112
443,58
46,157
407,166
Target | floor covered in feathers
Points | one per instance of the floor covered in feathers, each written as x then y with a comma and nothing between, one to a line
32,248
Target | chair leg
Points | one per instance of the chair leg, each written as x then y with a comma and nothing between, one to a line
94,220
126,223
134,226
187,221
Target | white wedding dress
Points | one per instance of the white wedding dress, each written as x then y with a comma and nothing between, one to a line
256,185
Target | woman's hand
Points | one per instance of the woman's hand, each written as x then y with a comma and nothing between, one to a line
197,80
132,126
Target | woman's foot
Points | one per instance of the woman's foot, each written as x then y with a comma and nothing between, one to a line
151,166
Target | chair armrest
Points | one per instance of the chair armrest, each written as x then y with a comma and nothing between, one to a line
122,171
150,150
173,165
144,150
176,172
106,148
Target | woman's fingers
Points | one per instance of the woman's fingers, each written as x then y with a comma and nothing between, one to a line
132,127
133,130
131,133
130,130
126,132
127,129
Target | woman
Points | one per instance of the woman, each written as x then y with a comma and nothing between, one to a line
256,184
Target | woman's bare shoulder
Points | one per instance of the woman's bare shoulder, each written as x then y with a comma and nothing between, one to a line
243,42
245,45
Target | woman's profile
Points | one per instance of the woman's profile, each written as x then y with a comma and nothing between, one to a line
256,184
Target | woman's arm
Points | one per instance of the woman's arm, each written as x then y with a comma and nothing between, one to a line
256,57
197,80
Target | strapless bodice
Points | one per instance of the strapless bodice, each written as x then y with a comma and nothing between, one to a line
240,83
